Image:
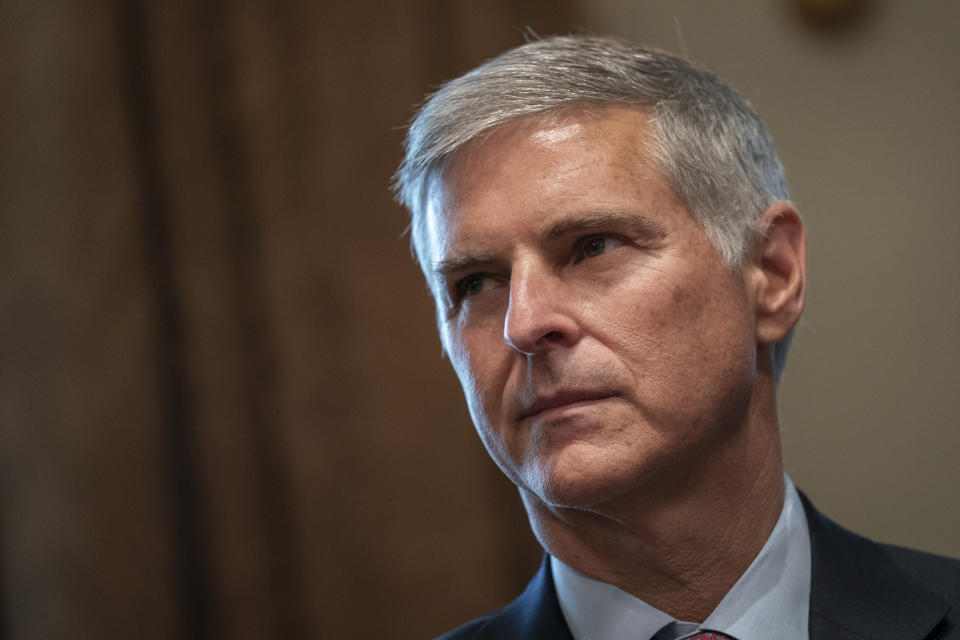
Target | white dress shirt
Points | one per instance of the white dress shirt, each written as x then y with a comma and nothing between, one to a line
771,597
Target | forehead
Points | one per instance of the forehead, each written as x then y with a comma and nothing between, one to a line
533,170
615,135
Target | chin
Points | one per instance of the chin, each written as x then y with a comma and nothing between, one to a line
581,476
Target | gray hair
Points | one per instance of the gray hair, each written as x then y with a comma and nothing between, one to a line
710,145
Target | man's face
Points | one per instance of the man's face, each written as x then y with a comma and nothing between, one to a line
602,345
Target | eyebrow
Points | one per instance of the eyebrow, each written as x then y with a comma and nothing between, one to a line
461,260
635,224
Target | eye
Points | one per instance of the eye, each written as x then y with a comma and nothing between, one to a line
593,246
470,286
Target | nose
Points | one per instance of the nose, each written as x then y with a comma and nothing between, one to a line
542,312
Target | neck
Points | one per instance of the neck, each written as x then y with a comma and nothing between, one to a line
681,549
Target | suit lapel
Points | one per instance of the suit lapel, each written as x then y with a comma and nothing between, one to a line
857,591
536,614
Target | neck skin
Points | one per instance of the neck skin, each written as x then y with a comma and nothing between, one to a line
683,547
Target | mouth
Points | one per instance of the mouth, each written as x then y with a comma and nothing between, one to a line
546,404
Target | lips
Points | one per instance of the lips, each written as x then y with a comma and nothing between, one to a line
561,399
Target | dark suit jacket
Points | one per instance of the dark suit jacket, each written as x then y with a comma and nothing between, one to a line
859,589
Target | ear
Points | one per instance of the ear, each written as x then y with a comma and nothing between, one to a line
779,271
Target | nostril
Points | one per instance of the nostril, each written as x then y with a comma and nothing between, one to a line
553,336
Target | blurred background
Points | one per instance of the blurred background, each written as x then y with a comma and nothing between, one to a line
223,407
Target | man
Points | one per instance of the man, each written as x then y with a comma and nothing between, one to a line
617,271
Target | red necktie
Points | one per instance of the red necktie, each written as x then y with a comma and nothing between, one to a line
679,630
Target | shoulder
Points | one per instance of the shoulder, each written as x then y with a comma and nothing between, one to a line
938,574
835,546
875,590
534,615
488,626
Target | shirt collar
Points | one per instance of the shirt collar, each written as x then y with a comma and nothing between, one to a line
773,593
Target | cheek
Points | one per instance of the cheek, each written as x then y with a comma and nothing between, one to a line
481,374
681,339
475,359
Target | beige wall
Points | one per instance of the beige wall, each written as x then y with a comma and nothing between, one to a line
866,121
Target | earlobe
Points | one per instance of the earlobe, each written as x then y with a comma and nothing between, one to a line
780,267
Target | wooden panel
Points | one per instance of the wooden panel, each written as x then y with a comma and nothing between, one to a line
224,408
86,511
